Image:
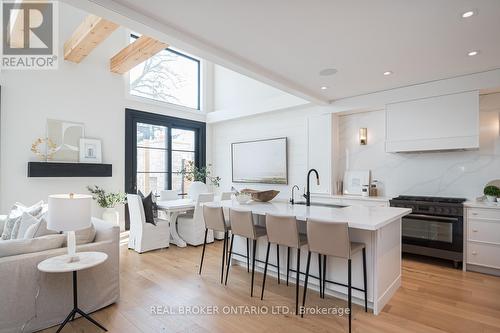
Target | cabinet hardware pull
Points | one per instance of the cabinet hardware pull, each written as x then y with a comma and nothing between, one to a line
474,230
474,253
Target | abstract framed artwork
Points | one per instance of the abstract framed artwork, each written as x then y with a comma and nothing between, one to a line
261,161
66,137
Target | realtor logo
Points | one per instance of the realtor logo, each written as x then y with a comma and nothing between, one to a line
29,38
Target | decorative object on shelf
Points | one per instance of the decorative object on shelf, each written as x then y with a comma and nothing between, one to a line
363,136
50,149
204,174
108,201
69,212
66,136
90,150
261,196
491,192
353,181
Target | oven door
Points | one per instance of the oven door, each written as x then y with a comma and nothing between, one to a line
439,232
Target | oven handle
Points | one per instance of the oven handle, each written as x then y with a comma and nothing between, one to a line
432,217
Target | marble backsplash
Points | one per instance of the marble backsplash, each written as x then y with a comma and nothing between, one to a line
450,173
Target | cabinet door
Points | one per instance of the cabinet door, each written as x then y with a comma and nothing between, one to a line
319,154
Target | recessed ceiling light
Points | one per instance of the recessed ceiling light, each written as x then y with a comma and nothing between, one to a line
468,13
324,88
386,73
473,53
327,71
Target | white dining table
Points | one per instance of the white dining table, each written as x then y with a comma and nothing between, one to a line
173,208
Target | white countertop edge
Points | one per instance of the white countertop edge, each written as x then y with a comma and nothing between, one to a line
350,197
482,204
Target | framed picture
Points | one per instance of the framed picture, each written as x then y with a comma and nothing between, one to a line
90,151
260,161
65,135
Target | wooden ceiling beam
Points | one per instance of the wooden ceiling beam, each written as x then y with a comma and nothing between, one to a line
140,50
90,33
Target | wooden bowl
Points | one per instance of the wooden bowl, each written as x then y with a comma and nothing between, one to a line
261,196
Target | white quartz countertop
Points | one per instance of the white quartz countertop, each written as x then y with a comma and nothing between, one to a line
482,204
358,217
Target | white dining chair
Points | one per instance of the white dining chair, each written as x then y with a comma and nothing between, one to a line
145,236
167,195
192,228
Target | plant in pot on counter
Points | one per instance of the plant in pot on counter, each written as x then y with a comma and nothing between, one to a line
491,192
108,201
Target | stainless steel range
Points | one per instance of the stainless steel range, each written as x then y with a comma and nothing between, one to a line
434,228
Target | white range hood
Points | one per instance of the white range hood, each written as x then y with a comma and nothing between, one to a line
447,122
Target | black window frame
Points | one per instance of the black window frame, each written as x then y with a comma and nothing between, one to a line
132,117
198,62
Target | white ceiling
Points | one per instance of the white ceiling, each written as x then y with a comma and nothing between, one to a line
293,40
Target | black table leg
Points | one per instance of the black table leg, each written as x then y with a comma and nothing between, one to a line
76,310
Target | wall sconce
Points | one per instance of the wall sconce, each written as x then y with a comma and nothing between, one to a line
363,136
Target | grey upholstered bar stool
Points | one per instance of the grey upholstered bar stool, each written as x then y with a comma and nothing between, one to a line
214,220
332,239
242,225
283,230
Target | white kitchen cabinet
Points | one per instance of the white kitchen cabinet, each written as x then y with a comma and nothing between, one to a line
482,238
319,152
436,123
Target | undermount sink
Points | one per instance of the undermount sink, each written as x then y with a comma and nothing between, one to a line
320,204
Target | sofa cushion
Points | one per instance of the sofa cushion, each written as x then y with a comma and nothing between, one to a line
12,225
14,247
83,236
38,229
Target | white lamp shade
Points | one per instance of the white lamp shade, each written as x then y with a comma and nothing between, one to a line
69,212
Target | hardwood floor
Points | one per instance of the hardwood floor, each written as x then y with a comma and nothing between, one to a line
433,298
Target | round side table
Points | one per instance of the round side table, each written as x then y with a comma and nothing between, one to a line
61,264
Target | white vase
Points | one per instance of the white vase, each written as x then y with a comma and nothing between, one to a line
196,188
491,198
111,215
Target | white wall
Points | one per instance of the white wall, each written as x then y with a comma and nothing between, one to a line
291,124
87,92
452,173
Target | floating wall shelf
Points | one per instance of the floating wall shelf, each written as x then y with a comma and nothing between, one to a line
49,169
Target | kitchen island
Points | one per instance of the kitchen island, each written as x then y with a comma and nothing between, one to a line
378,227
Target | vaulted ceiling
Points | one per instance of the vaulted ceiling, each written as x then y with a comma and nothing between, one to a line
291,41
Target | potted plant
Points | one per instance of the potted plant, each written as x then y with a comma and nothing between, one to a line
108,201
199,177
491,192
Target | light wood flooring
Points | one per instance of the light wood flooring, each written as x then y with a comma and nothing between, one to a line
433,298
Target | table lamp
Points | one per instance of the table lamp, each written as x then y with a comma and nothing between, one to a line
69,212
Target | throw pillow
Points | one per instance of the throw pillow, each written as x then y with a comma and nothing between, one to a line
10,228
38,230
23,224
147,202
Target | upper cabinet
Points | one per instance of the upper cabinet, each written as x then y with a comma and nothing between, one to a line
436,123
319,151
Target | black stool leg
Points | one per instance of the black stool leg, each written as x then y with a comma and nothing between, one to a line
305,284
320,272
253,265
248,256
324,275
349,291
224,250
229,257
297,283
265,272
203,252
364,279
287,264
278,260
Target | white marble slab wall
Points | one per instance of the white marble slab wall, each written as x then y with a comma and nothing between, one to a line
453,173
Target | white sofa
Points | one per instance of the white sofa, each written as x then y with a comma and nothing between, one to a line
20,282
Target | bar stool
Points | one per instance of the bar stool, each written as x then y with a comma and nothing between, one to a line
242,225
283,230
332,239
214,220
